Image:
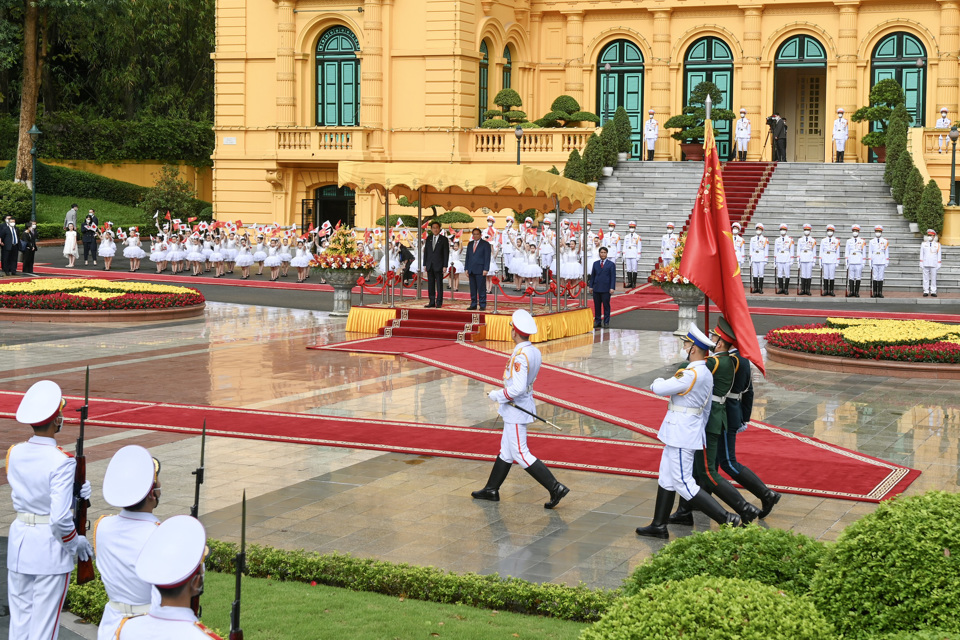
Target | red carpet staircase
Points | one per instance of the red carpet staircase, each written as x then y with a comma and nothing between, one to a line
438,324
744,183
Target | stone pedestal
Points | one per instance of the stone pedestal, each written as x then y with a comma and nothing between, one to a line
343,281
688,298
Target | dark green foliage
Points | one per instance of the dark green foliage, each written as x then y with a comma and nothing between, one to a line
530,125
496,123
171,193
206,215
449,217
775,557
918,635
896,569
60,181
574,167
690,122
593,159
507,98
621,121
15,200
896,141
408,220
884,96
912,195
565,111
49,230
930,216
492,113
505,117
515,116
583,116
420,583
565,104
611,144
88,600
519,217
901,173
714,608
554,170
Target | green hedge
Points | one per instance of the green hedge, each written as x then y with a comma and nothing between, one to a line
420,583
15,200
919,635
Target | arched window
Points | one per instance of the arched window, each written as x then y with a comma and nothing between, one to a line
484,89
801,51
709,59
507,68
338,78
903,57
622,86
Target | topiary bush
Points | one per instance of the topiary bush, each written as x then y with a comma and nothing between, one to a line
621,121
565,111
896,141
896,569
884,96
930,214
574,167
565,104
611,144
593,159
61,181
912,195
903,166
691,121
774,557
16,200
711,608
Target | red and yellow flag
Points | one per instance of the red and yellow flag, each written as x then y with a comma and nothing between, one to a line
709,260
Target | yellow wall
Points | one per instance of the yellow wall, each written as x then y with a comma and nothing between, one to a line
419,76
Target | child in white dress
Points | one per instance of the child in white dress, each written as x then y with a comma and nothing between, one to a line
207,250
216,257
273,259
244,258
302,260
134,250
195,255
456,265
260,254
174,255
531,270
230,251
107,249
158,252
70,250
517,263
286,255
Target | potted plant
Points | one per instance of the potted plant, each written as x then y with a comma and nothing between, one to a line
593,161
896,142
565,112
687,296
912,195
342,265
611,146
884,96
901,173
930,214
574,167
621,122
690,122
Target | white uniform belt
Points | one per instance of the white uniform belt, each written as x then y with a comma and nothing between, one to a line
129,609
734,396
32,519
693,411
719,399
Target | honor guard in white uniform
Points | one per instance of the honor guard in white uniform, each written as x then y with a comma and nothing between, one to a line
632,248
43,544
668,245
590,234
759,253
682,433
829,257
508,244
132,483
806,256
517,394
929,263
651,131
739,246
841,132
611,240
783,254
853,256
743,135
548,249
879,259
172,561
943,122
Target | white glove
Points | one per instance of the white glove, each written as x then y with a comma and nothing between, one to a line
80,547
85,490
493,396
742,428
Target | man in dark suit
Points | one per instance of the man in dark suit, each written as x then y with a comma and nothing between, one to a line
9,246
603,280
778,129
476,266
436,257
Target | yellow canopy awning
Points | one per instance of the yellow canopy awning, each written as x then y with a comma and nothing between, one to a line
469,186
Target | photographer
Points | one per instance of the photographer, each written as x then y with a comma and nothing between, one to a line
778,129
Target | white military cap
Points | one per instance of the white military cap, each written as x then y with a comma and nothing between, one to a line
632,224
736,224
699,338
840,110
784,227
879,227
130,476
670,225
173,553
760,226
41,403
611,224
931,232
944,110
523,322
651,111
490,217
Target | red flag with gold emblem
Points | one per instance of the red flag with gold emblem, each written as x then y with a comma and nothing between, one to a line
709,260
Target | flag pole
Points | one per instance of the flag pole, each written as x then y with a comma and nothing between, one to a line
708,104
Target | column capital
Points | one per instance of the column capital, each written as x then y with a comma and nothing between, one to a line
751,9
849,5
573,14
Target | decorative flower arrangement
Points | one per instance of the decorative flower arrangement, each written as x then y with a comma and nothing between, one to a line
670,273
64,294
900,340
342,253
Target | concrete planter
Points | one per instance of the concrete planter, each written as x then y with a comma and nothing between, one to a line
914,227
343,281
688,298
593,184
900,209
607,172
623,157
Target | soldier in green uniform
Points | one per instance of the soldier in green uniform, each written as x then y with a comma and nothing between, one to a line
705,471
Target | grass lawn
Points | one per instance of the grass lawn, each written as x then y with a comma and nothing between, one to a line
54,208
279,610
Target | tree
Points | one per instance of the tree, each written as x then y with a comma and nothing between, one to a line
611,143
621,121
593,159
554,170
930,215
912,194
896,141
884,96
15,200
505,99
691,121
565,111
574,167
904,166
170,193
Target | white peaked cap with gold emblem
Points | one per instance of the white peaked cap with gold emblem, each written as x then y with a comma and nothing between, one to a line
173,553
130,476
41,403
699,338
523,322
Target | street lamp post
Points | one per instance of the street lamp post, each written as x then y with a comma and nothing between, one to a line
519,133
954,134
34,136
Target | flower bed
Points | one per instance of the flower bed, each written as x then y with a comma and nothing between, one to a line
62,294
868,339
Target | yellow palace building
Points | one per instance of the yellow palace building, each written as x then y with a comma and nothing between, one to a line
304,84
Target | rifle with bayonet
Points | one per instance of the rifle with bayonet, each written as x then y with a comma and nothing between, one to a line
84,567
236,633
195,509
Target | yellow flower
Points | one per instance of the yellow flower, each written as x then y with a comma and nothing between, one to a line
87,286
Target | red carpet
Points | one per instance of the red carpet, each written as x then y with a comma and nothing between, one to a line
815,467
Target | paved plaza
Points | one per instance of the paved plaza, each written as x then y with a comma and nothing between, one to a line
417,509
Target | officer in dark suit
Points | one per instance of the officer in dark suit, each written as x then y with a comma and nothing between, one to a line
9,246
603,280
476,266
436,257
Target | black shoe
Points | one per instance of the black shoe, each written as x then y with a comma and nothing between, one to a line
704,502
493,495
761,287
786,286
925,295
430,306
661,512
596,325
498,474
934,295
543,475
483,308
683,514
729,494
768,502
472,307
880,289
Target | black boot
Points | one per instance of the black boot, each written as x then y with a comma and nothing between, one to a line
649,155
768,497
880,289
761,285
786,286
499,473
873,288
704,502
542,475
830,292
683,514
661,512
779,286
809,285
729,494
753,285
856,288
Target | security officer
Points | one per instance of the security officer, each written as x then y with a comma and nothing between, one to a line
943,122
759,252
853,255
738,243
612,241
132,483
783,258
841,132
43,544
632,248
682,433
806,256
172,561
517,391
723,371
739,408
743,135
879,259
651,131
929,263
829,257
668,245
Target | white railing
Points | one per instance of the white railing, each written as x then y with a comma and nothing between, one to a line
931,141
539,142
320,139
